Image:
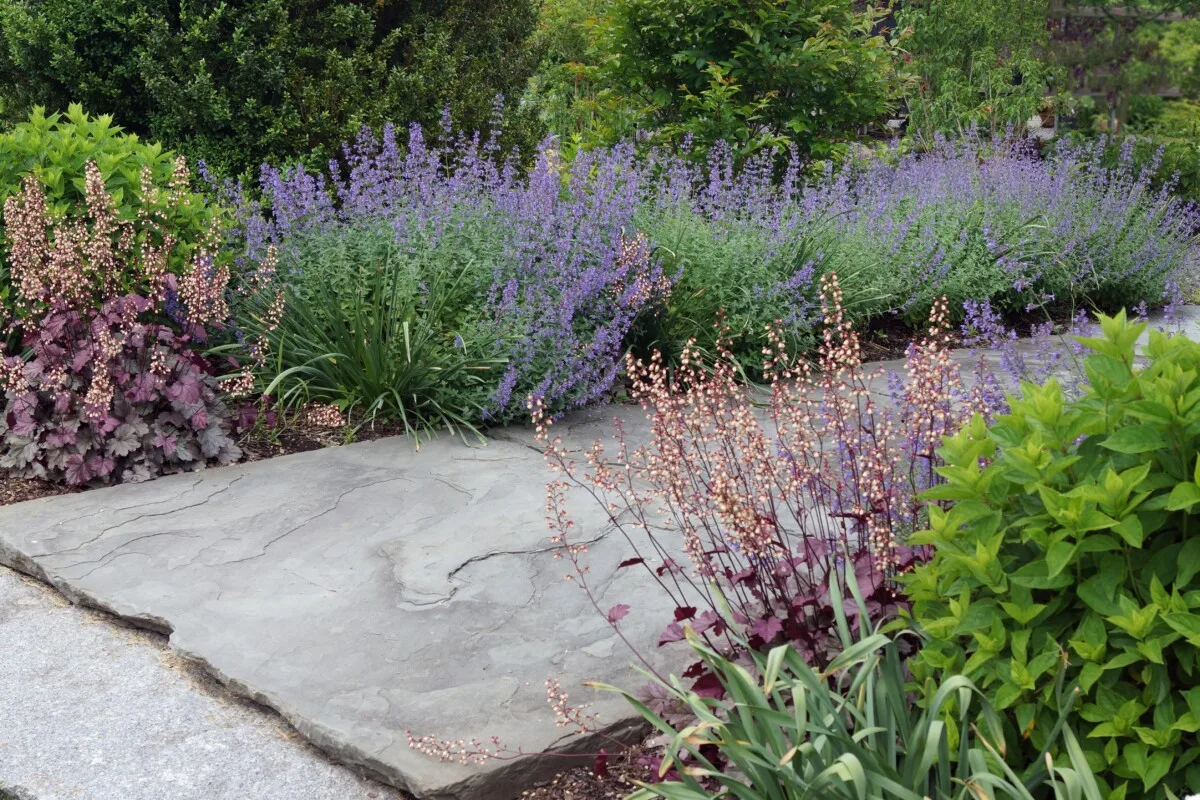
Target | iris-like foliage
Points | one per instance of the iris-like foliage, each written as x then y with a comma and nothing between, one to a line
784,730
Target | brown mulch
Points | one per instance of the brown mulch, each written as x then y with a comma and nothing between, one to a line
300,437
582,783
16,490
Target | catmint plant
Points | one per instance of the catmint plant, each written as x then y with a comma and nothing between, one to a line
567,266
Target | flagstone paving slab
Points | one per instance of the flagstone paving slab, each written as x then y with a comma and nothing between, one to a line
363,591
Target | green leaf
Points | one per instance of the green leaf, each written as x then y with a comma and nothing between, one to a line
1099,593
1183,496
1189,562
1187,625
1023,614
1130,529
1135,439
1059,557
1157,767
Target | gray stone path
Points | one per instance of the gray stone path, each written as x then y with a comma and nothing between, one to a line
361,592
93,711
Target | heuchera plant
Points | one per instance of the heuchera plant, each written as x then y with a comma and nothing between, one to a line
105,385
761,506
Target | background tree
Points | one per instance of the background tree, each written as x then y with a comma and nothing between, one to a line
752,72
240,83
981,63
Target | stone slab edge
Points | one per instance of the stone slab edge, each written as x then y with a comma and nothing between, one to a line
505,781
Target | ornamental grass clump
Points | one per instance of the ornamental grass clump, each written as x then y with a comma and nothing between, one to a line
782,729
760,499
103,384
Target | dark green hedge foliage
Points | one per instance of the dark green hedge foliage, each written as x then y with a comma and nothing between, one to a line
239,83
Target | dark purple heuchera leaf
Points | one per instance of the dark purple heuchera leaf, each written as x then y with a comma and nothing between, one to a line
618,613
668,565
767,629
99,465
144,389
185,390
77,471
53,326
709,620
747,574
60,437
124,441
684,612
167,442
24,425
673,633
709,685
247,415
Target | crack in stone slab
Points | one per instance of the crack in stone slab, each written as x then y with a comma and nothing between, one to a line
111,555
451,576
337,502
141,517
115,556
442,479
114,527
537,552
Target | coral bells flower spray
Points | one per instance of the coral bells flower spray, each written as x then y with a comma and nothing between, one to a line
767,499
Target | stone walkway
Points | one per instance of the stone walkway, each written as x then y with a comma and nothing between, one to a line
361,592
93,711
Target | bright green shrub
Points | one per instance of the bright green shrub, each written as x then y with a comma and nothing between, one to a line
57,149
981,62
571,89
236,84
1072,539
784,731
